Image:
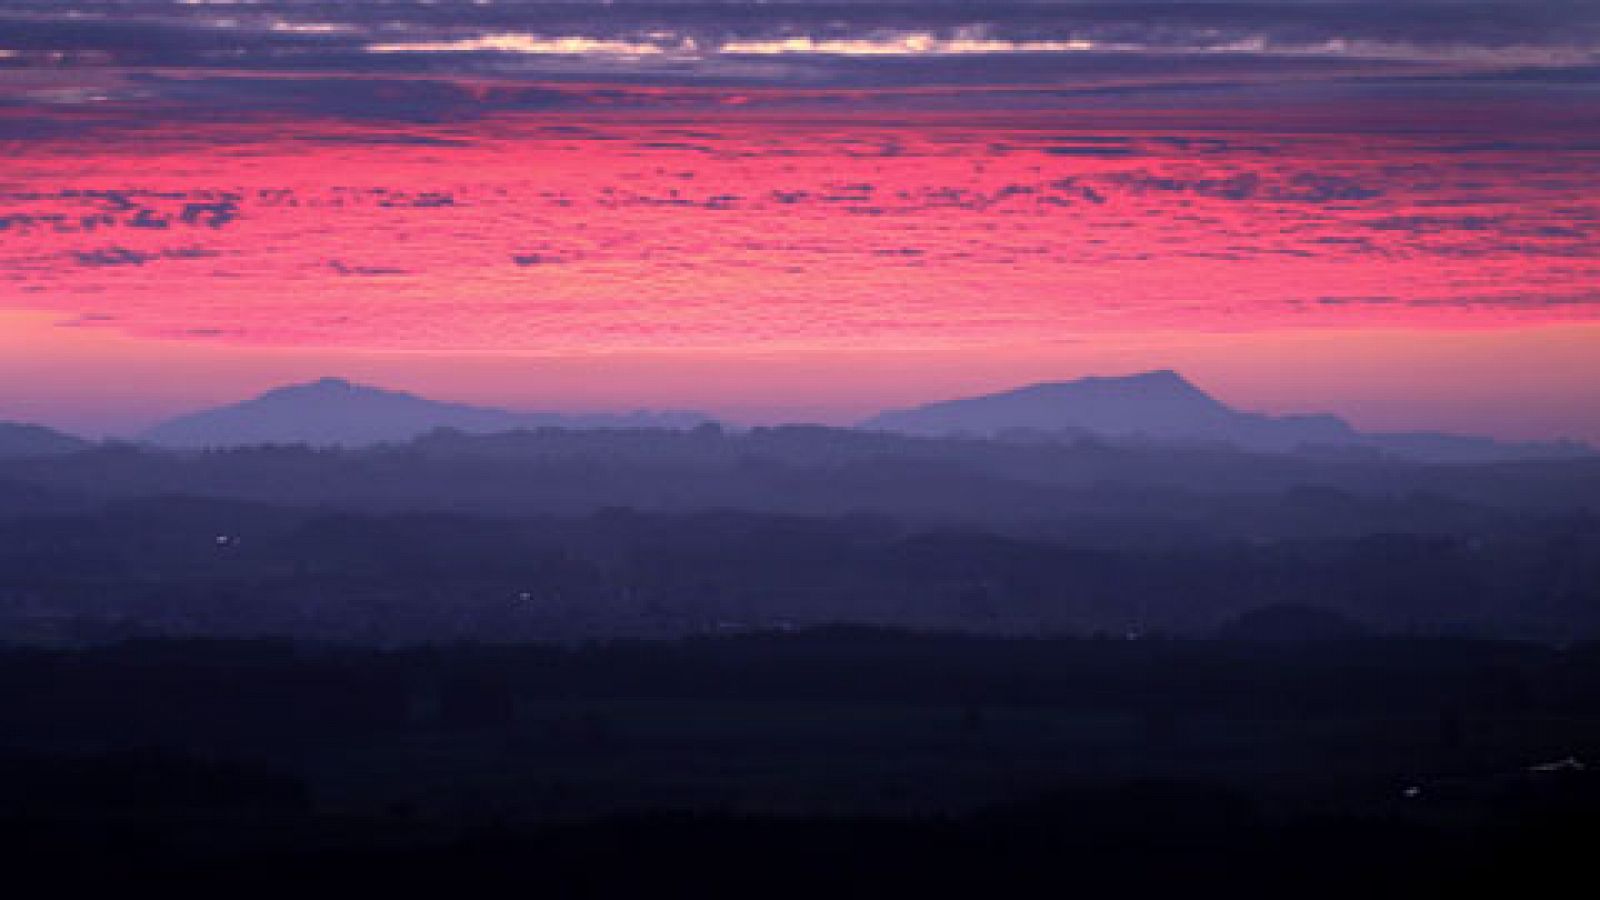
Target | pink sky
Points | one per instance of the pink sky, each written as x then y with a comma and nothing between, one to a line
796,265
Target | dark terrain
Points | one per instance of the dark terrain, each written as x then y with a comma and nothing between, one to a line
850,760
795,661
563,535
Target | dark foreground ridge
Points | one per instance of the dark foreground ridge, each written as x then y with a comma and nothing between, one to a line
848,760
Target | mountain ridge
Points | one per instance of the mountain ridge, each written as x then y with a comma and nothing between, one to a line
336,411
19,439
1157,405
1162,404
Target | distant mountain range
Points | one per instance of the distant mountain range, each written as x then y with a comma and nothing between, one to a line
1159,406
1164,406
335,411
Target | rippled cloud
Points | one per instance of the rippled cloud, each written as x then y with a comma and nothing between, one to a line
591,230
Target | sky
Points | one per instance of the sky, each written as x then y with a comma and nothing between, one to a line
803,210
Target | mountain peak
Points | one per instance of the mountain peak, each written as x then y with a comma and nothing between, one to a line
19,439
333,410
326,385
1159,380
1151,375
1155,376
333,392
1158,403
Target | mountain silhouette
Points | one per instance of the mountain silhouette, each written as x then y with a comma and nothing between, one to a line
335,411
1163,405
1159,404
1154,406
18,440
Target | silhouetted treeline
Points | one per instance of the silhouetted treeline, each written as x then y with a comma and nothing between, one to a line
275,686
